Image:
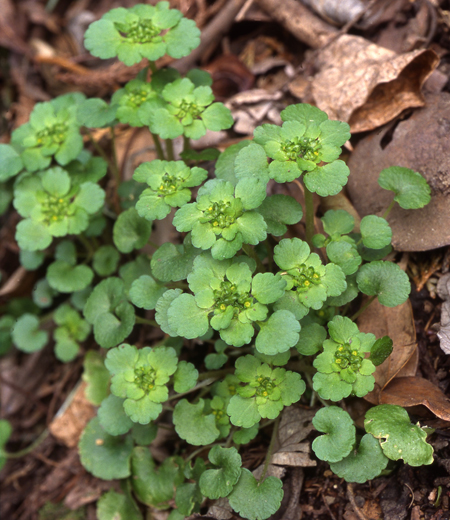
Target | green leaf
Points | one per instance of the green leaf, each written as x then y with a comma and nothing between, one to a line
385,280
328,179
225,163
243,412
146,291
279,210
345,255
411,189
303,113
105,261
162,307
112,416
193,425
185,377
152,486
375,232
256,500
398,438
43,294
278,334
338,221
311,339
245,435
340,434
131,231
363,464
6,324
217,117
115,506
381,350
33,236
10,162
186,318
103,455
96,376
31,260
144,434
267,287
172,263
66,278
95,113
26,334
218,483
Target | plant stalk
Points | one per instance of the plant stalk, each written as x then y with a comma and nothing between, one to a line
363,308
158,147
271,448
169,150
309,217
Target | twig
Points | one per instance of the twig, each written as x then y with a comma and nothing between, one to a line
351,497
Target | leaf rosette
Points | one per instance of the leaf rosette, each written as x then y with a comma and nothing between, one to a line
263,392
169,183
219,220
306,139
71,330
306,276
226,297
52,131
53,207
143,31
140,377
188,111
342,367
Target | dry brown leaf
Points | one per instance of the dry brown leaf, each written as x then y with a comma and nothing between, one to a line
68,426
398,324
443,290
367,85
421,143
413,391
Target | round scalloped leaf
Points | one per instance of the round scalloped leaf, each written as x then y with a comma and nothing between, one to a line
225,163
411,189
66,278
105,261
97,376
243,412
304,113
375,232
328,179
26,334
144,434
311,339
256,500
43,294
103,298
66,348
385,280
186,318
399,439
145,292
192,425
131,231
245,435
33,236
103,455
362,465
10,162
218,483
340,434
162,306
112,416
185,377
278,334
172,263
338,221
31,260
115,506
278,211
95,113
268,287
290,253
111,329
152,486
345,255
381,350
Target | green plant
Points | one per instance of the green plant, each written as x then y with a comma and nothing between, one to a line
244,313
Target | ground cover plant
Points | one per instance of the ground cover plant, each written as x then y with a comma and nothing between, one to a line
277,314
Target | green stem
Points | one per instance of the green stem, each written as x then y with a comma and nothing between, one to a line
88,246
271,448
317,396
186,143
158,147
152,66
363,308
196,387
114,164
230,437
215,374
207,447
169,150
249,251
309,217
144,321
386,213
27,450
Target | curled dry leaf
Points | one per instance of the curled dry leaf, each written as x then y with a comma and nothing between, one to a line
443,290
419,143
398,324
367,85
412,391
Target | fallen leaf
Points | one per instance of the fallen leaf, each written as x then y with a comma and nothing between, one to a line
443,290
398,324
421,143
367,85
412,391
